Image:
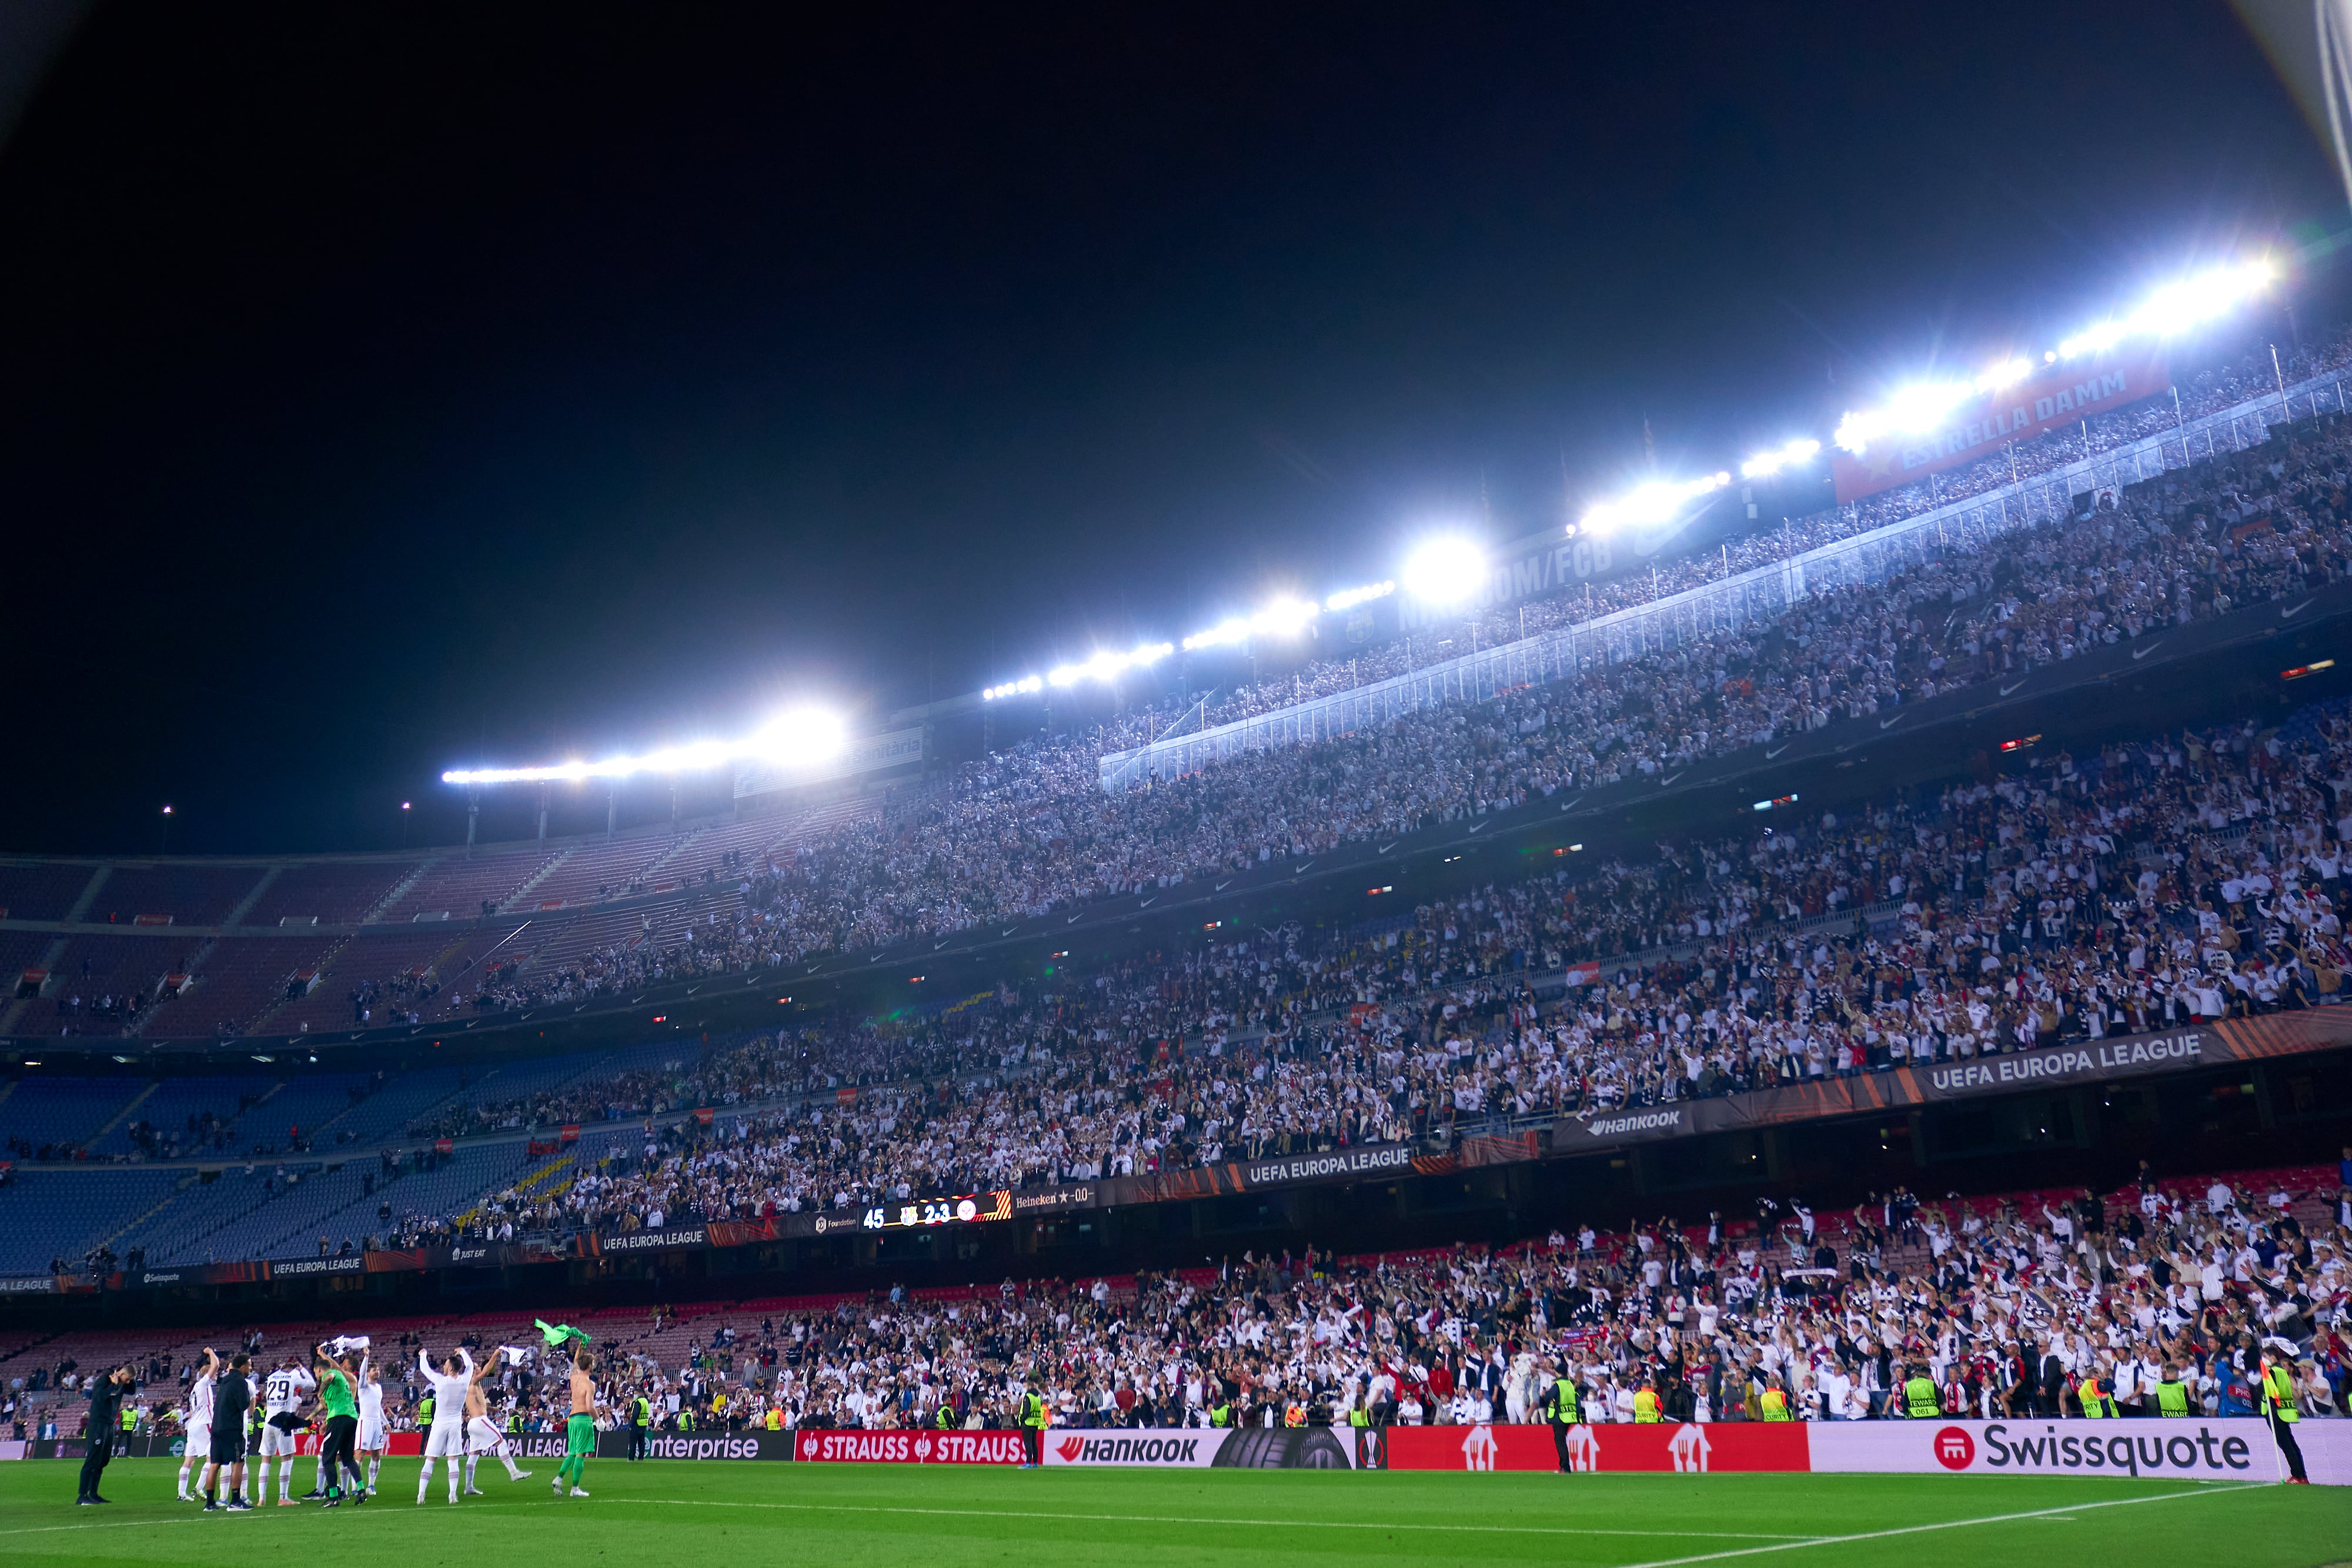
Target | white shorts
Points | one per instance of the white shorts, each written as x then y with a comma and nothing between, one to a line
199,1442
276,1440
482,1435
446,1439
374,1436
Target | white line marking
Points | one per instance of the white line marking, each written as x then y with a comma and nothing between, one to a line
1916,1528
1189,1519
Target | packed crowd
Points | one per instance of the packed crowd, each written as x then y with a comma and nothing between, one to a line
1029,829
2159,1295
2208,391
2191,877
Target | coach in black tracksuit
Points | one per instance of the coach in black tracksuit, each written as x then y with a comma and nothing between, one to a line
105,1417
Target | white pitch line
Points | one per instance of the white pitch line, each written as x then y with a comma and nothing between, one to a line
1919,1529
1190,1519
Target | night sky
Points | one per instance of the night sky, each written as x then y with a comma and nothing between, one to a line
389,390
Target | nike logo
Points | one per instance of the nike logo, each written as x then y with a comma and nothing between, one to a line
2006,690
1771,752
1891,723
936,946
1671,778
1390,845
1008,931
2139,653
2291,614
1224,885
1147,903
1073,920
1308,866
1479,829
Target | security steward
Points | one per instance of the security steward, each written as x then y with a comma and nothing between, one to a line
1559,1404
641,1421
1921,1399
2279,1408
1648,1407
1033,1426
2096,1395
2172,1395
1774,1401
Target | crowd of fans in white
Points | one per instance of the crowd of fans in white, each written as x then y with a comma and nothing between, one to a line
1029,830
2191,877
2009,1306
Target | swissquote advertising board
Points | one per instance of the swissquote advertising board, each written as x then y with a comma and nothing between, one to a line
2237,1449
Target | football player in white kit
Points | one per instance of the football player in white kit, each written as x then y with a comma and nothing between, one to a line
446,1440
281,1398
375,1436
196,1427
482,1434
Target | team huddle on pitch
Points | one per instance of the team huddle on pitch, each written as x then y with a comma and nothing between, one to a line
223,1426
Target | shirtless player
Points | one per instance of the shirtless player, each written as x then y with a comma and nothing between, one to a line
482,1434
579,1429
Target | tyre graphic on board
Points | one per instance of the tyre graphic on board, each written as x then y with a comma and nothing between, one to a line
1280,1449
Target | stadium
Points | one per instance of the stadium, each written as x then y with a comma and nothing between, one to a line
1793,1007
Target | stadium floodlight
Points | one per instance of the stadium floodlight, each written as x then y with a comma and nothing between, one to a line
1348,598
1924,406
1764,464
800,737
2177,307
1022,687
1110,666
1651,503
1446,570
1283,617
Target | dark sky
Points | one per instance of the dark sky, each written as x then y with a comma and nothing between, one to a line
388,388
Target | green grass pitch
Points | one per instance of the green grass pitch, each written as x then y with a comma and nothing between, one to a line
846,1516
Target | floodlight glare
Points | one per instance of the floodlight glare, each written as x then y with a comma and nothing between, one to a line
1653,503
1764,464
801,736
1108,666
1348,598
1283,617
1446,571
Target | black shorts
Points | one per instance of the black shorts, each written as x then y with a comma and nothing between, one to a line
229,1445
287,1421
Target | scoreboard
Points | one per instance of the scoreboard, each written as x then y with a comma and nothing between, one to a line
972,1208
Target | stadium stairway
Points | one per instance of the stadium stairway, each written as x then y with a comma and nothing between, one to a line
399,891
519,899
124,1114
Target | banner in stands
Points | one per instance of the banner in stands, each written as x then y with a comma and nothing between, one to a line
908,1447
2222,1043
1200,1448
893,748
2057,395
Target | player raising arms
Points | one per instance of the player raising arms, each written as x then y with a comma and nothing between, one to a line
281,1398
375,1436
446,1440
580,1428
196,1428
482,1434
338,1438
